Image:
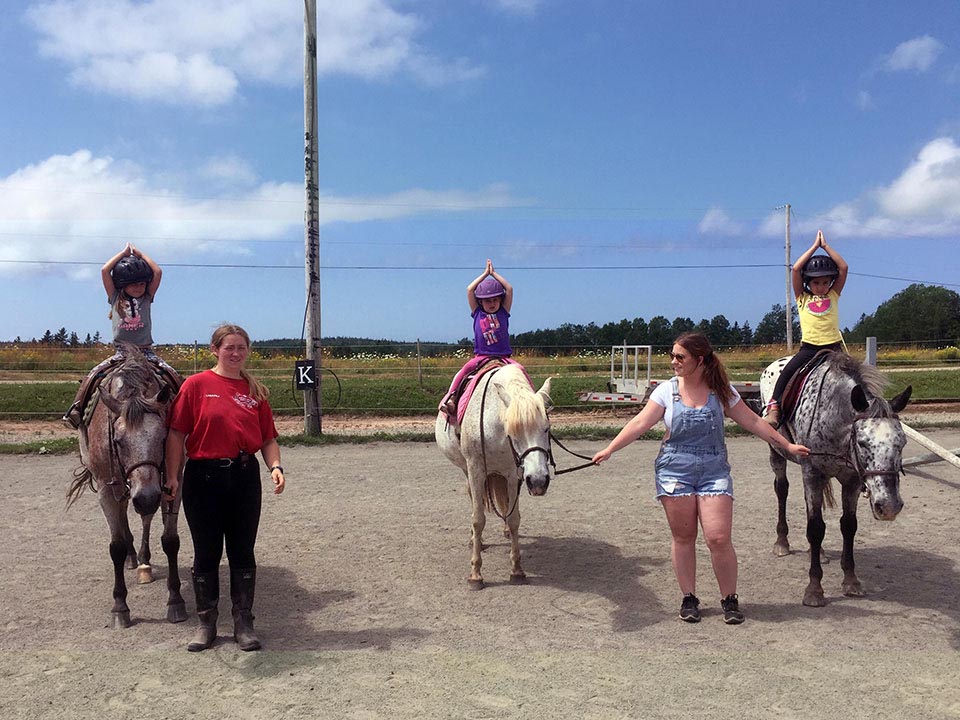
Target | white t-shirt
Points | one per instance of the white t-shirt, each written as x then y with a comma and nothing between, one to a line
663,395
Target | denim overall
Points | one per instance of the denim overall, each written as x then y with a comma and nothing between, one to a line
693,460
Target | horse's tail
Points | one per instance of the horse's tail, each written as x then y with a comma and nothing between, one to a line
497,493
82,478
829,500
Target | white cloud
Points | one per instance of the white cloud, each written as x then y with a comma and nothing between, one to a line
929,187
230,170
717,222
918,54
924,201
77,207
199,52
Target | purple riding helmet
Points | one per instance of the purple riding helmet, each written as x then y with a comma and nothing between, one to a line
489,287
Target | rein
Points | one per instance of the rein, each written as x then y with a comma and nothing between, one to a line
518,457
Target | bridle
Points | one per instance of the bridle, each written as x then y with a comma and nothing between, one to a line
123,477
857,464
518,457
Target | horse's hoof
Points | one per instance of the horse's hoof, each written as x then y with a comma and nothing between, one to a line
144,574
520,579
781,549
475,584
853,590
177,613
813,599
121,620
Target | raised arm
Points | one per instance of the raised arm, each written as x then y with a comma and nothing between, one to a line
842,266
797,274
508,288
472,287
154,268
105,275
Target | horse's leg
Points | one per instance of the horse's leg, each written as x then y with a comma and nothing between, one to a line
848,528
813,492
781,486
170,541
120,541
477,482
517,576
144,569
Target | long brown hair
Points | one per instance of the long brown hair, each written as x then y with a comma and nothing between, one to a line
258,391
714,372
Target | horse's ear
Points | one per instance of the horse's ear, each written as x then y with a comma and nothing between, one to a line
544,392
504,395
858,398
901,400
111,402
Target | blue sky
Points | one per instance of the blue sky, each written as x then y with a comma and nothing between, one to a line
603,154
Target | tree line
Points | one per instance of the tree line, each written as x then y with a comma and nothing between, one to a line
920,314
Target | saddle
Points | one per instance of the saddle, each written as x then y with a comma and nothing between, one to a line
461,396
791,393
90,390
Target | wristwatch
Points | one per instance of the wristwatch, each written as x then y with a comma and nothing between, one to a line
277,467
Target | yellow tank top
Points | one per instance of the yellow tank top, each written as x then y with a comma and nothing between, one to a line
819,318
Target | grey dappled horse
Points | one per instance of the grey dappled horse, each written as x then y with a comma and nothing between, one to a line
854,436
122,452
504,440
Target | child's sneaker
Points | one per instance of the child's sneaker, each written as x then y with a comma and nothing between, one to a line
731,610
690,608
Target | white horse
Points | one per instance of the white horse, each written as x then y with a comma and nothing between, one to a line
504,440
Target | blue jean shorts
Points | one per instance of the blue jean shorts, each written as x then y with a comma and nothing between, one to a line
694,470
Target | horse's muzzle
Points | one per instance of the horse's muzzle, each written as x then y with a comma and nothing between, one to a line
146,501
886,509
537,486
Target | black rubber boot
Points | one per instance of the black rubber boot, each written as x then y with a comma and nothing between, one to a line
243,584
206,587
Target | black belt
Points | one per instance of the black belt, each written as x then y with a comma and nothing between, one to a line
240,460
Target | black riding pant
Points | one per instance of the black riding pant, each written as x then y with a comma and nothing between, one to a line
804,355
222,505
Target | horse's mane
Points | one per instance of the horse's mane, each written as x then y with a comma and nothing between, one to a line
137,378
526,407
872,380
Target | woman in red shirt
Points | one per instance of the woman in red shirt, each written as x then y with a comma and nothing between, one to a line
220,419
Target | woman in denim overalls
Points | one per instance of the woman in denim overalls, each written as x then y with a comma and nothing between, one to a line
692,473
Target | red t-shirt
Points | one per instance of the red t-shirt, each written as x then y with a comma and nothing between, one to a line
219,417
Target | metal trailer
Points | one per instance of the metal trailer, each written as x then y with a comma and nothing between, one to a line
629,385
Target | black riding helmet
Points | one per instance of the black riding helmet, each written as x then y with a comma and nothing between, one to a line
131,269
819,266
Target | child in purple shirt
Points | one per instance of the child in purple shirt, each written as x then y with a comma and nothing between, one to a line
490,297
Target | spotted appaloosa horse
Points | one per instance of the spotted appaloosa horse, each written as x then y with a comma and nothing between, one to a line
504,440
854,436
122,451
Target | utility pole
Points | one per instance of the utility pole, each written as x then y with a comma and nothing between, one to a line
789,304
312,410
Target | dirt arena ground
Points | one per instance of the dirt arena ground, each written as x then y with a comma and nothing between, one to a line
365,613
